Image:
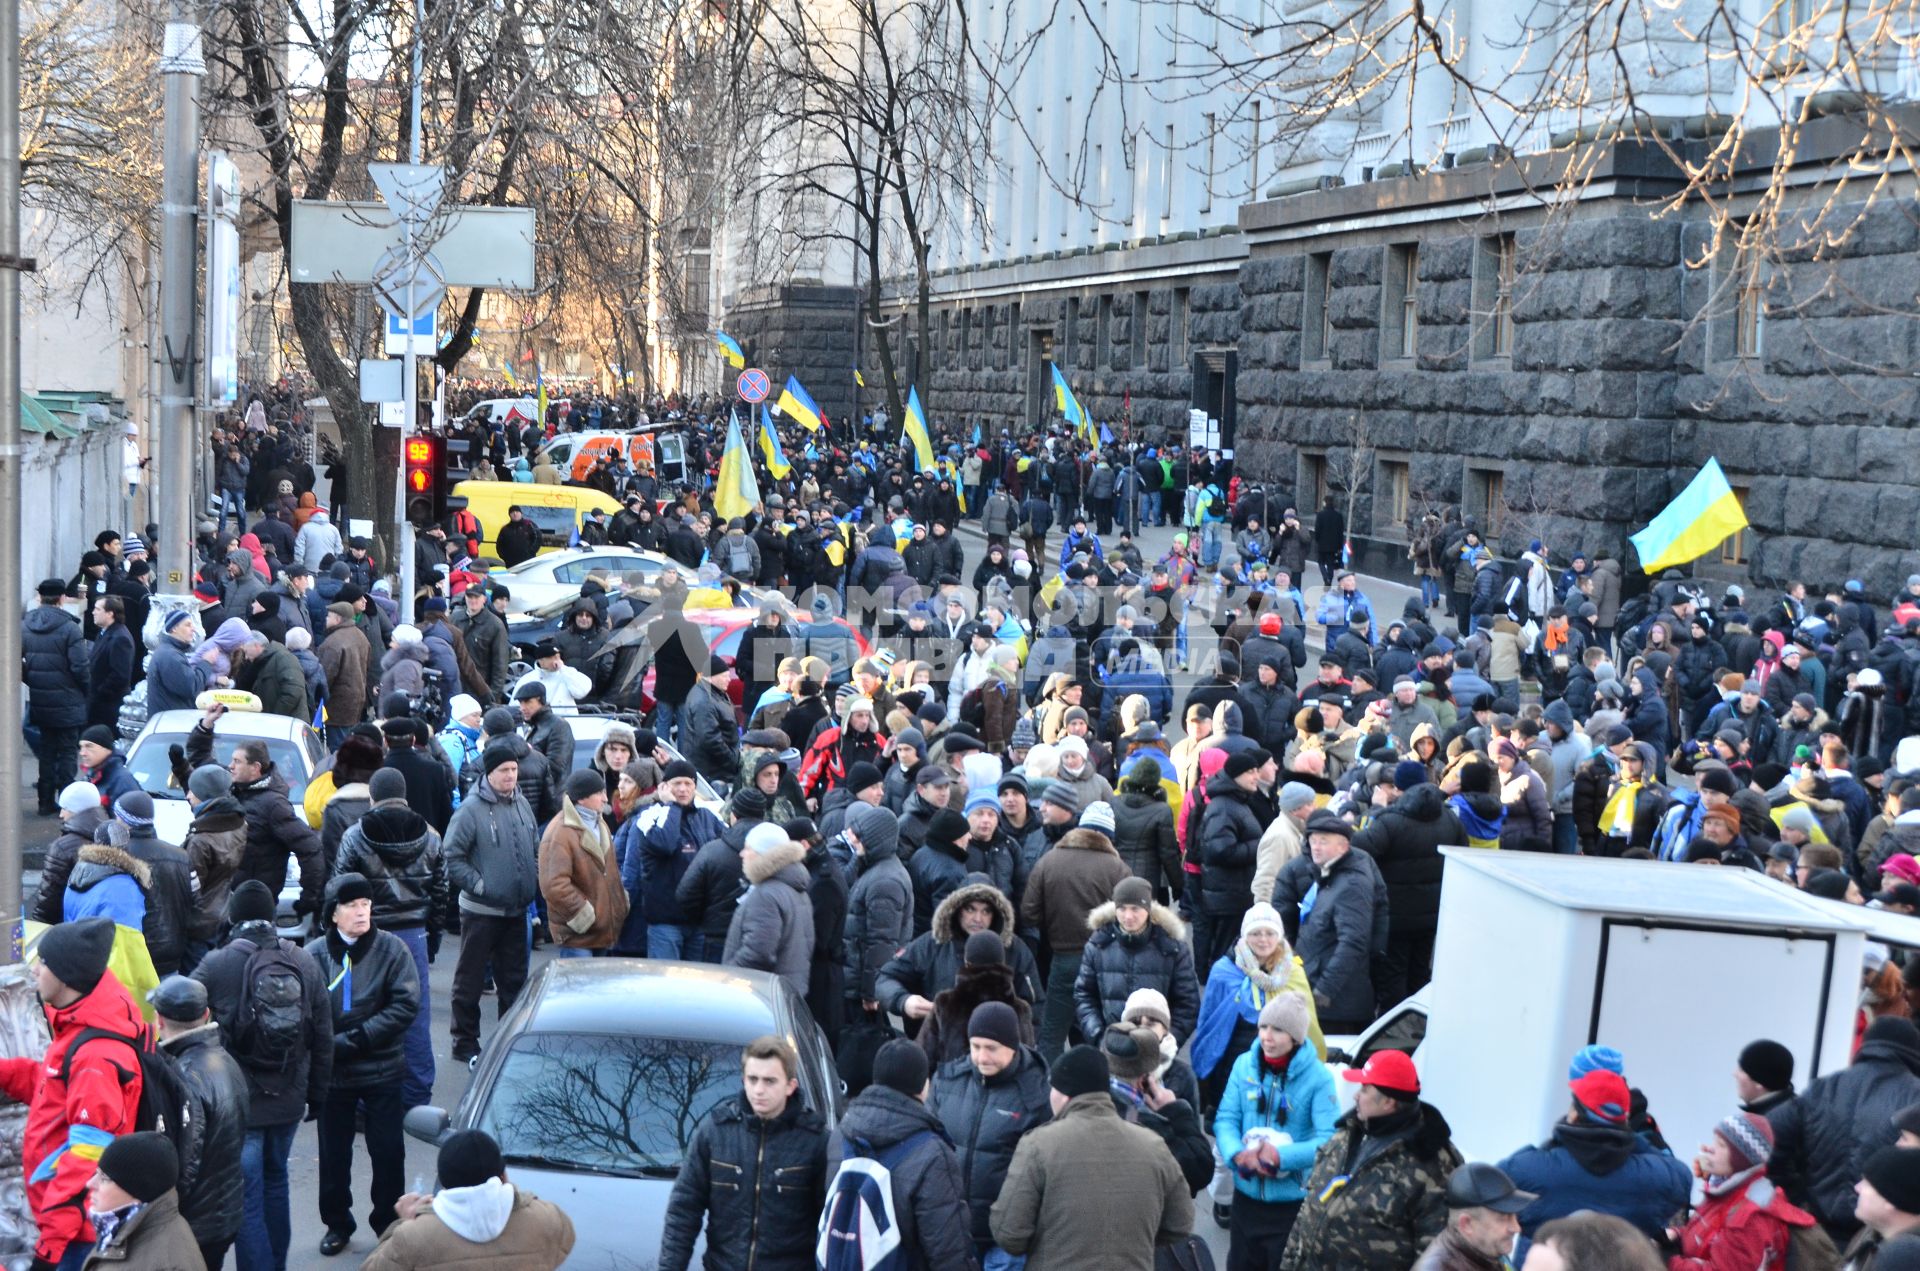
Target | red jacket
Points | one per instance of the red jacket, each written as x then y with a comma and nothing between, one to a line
70,1123
1745,1230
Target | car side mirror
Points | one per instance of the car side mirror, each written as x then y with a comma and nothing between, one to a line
428,1124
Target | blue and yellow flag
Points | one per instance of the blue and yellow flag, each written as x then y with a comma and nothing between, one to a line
506,369
797,404
730,350
1704,515
735,492
951,471
770,446
914,429
1070,408
858,378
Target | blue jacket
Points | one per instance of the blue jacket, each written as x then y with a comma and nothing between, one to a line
174,677
1678,825
1254,1097
670,837
1606,1169
1337,610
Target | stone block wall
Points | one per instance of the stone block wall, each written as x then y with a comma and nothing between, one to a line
805,331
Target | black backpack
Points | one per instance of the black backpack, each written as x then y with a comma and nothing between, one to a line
270,1028
166,1105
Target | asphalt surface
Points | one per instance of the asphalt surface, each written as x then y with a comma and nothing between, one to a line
451,1079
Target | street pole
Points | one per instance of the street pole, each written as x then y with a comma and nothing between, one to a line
181,68
410,365
11,455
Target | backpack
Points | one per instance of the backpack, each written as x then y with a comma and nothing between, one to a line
270,1027
859,1230
738,560
1810,1248
166,1104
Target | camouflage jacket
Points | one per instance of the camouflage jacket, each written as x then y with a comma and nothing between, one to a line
1384,1214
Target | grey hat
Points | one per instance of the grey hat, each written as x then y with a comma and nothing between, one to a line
499,721
387,785
209,781
1294,795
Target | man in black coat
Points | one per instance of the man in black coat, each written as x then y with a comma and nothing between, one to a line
519,538
762,1205
213,1190
54,664
1404,840
827,892
374,992
429,787
110,667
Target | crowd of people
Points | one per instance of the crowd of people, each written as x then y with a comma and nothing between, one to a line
1077,939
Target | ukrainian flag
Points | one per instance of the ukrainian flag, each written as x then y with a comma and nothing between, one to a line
951,472
858,378
735,492
770,446
915,430
1693,524
1070,408
540,382
506,369
798,405
730,350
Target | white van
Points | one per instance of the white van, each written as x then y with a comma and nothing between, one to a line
498,410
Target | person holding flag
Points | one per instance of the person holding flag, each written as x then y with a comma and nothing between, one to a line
777,465
914,431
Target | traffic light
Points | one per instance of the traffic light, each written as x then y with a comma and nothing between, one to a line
424,462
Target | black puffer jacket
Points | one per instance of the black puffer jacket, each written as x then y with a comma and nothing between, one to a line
709,735
929,1195
1845,1117
77,833
54,661
1143,835
1229,843
1114,964
931,963
274,828
395,849
170,911
276,1096
938,871
552,736
758,1185
386,997
710,890
1404,841
986,1117
213,1197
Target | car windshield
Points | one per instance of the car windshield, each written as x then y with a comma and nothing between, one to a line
150,767
611,1105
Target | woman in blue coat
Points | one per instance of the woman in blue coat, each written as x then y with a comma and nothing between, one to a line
1276,1112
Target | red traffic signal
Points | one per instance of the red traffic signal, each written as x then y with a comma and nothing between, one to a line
424,476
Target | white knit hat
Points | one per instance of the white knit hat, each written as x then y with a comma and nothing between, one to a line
1098,815
1261,914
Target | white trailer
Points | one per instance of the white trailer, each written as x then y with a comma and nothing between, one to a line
1677,967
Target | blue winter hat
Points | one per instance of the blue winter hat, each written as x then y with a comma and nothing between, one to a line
174,618
1409,773
982,798
1590,1058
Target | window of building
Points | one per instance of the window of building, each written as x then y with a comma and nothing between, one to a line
1206,193
1487,492
943,350
1392,497
1098,180
1494,268
1749,309
966,333
1137,330
1071,339
1401,319
1313,479
1014,334
1103,334
1316,327
1177,330
987,357
1737,547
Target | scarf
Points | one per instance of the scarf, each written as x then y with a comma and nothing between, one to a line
1554,637
110,1224
1616,819
1721,1186
1481,832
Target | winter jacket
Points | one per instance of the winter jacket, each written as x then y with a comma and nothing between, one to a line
580,879
710,890
929,1194
54,665
1347,928
60,860
1091,1192
1229,849
1840,1120
1071,879
1143,836
1529,822
317,540
1749,1226
274,828
1392,1205
371,1009
536,784
344,655
827,976
216,843
487,642
537,1233
396,851
156,1238
76,1098
109,675
670,838
170,908
985,1118
1114,964
931,963
943,1034
343,808
213,1195
1404,840
772,926
277,1096
280,684
758,1187
708,734
937,870
1298,1101
879,904
1606,593
552,736
491,851
175,678
1604,1168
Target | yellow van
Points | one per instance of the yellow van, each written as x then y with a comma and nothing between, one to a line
558,510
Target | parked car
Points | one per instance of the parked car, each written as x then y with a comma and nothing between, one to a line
555,577
595,1081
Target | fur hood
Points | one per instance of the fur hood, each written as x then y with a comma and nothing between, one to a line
1086,840
1158,916
118,860
758,867
946,915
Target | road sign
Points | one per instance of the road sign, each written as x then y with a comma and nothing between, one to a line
476,246
380,380
412,190
754,385
425,340
400,278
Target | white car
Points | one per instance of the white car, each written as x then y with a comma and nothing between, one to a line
293,745
558,575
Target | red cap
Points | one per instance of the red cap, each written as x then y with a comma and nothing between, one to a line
1270,624
1387,1069
1604,1096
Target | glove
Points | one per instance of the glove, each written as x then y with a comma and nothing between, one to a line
1321,1001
